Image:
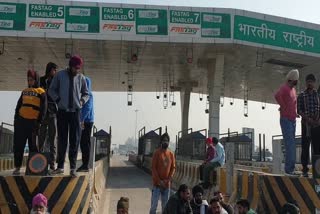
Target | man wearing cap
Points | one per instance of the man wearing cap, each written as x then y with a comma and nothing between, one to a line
39,204
123,206
211,151
29,114
286,97
217,161
69,90
308,109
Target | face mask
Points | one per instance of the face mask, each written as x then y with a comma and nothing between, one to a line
164,145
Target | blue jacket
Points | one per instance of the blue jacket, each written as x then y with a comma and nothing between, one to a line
87,111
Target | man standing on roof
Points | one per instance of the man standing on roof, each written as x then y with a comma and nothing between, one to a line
29,114
50,120
163,168
309,109
87,118
69,90
286,97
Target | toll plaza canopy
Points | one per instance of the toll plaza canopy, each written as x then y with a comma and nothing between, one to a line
153,48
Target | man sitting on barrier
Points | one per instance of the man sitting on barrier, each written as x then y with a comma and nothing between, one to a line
211,151
217,161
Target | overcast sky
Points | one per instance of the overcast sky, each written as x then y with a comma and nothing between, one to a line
111,108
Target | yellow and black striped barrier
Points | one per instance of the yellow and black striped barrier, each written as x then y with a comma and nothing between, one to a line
8,163
65,194
278,190
246,186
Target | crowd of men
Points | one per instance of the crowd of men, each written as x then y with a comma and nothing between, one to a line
58,102
307,106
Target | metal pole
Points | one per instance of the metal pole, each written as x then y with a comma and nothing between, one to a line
264,147
135,132
260,158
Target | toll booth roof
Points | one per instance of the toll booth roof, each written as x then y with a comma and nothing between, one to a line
101,133
239,138
197,135
151,134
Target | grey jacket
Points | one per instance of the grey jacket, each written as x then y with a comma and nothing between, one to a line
59,90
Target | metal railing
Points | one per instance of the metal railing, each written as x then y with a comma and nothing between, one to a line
6,139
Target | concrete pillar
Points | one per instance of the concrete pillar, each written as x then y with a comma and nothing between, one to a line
185,104
215,83
229,148
277,157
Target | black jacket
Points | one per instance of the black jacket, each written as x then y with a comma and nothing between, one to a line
176,205
45,84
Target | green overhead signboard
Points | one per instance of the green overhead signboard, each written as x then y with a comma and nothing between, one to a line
12,16
46,11
115,20
276,34
45,17
184,23
215,25
82,19
151,21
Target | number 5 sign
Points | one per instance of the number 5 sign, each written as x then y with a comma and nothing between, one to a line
44,18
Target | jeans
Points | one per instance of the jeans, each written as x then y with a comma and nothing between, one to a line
156,192
288,128
68,126
85,143
207,168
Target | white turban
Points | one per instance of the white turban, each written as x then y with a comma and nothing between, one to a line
293,75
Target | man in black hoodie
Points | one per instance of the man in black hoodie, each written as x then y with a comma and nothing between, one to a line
30,111
50,120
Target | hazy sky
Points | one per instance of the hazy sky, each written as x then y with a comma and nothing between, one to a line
111,108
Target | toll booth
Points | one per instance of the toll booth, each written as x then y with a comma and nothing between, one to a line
103,142
243,146
148,142
191,145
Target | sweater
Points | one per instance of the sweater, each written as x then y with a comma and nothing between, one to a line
163,166
60,89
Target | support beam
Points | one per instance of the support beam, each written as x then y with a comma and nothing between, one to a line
215,83
185,105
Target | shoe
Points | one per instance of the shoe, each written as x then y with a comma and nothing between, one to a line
292,174
73,173
305,174
16,171
58,171
83,169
